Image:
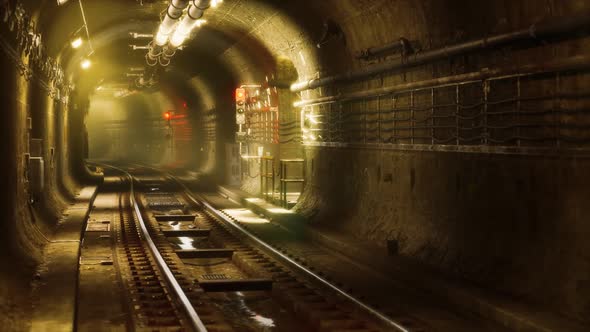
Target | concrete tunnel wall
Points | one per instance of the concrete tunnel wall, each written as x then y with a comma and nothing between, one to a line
28,217
512,223
504,222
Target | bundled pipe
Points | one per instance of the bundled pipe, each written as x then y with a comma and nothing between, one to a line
173,14
563,26
195,12
575,63
173,33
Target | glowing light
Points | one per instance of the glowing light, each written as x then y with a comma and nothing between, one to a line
183,31
76,43
85,64
279,211
255,200
246,216
240,94
264,322
186,243
216,3
162,37
61,2
200,23
177,39
167,115
312,119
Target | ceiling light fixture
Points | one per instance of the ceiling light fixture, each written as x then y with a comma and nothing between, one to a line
186,26
86,64
182,33
76,43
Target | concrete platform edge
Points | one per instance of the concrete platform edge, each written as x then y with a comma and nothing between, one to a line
58,285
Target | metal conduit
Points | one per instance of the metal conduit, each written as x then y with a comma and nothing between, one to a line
548,29
580,62
195,12
173,14
171,34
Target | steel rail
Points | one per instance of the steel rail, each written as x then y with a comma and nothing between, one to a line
194,319
370,310
367,308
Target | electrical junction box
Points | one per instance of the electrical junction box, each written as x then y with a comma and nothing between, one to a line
257,113
36,147
36,174
240,118
241,137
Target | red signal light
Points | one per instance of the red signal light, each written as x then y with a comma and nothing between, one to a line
167,115
240,94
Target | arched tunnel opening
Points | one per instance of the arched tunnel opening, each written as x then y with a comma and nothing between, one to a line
260,165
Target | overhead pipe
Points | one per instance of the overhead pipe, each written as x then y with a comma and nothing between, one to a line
402,46
534,32
172,33
173,14
576,63
183,29
195,12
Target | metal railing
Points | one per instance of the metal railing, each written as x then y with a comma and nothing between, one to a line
540,109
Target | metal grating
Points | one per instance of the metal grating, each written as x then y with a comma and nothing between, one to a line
100,226
163,201
215,276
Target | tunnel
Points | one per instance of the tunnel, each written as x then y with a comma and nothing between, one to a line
310,165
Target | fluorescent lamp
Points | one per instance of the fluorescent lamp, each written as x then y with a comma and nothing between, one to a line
183,31
85,64
76,43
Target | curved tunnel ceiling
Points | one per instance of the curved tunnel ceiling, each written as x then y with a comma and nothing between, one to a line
454,146
245,37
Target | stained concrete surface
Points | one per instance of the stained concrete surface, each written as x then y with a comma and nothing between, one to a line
55,290
510,312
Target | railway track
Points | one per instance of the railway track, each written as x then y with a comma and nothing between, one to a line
188,266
